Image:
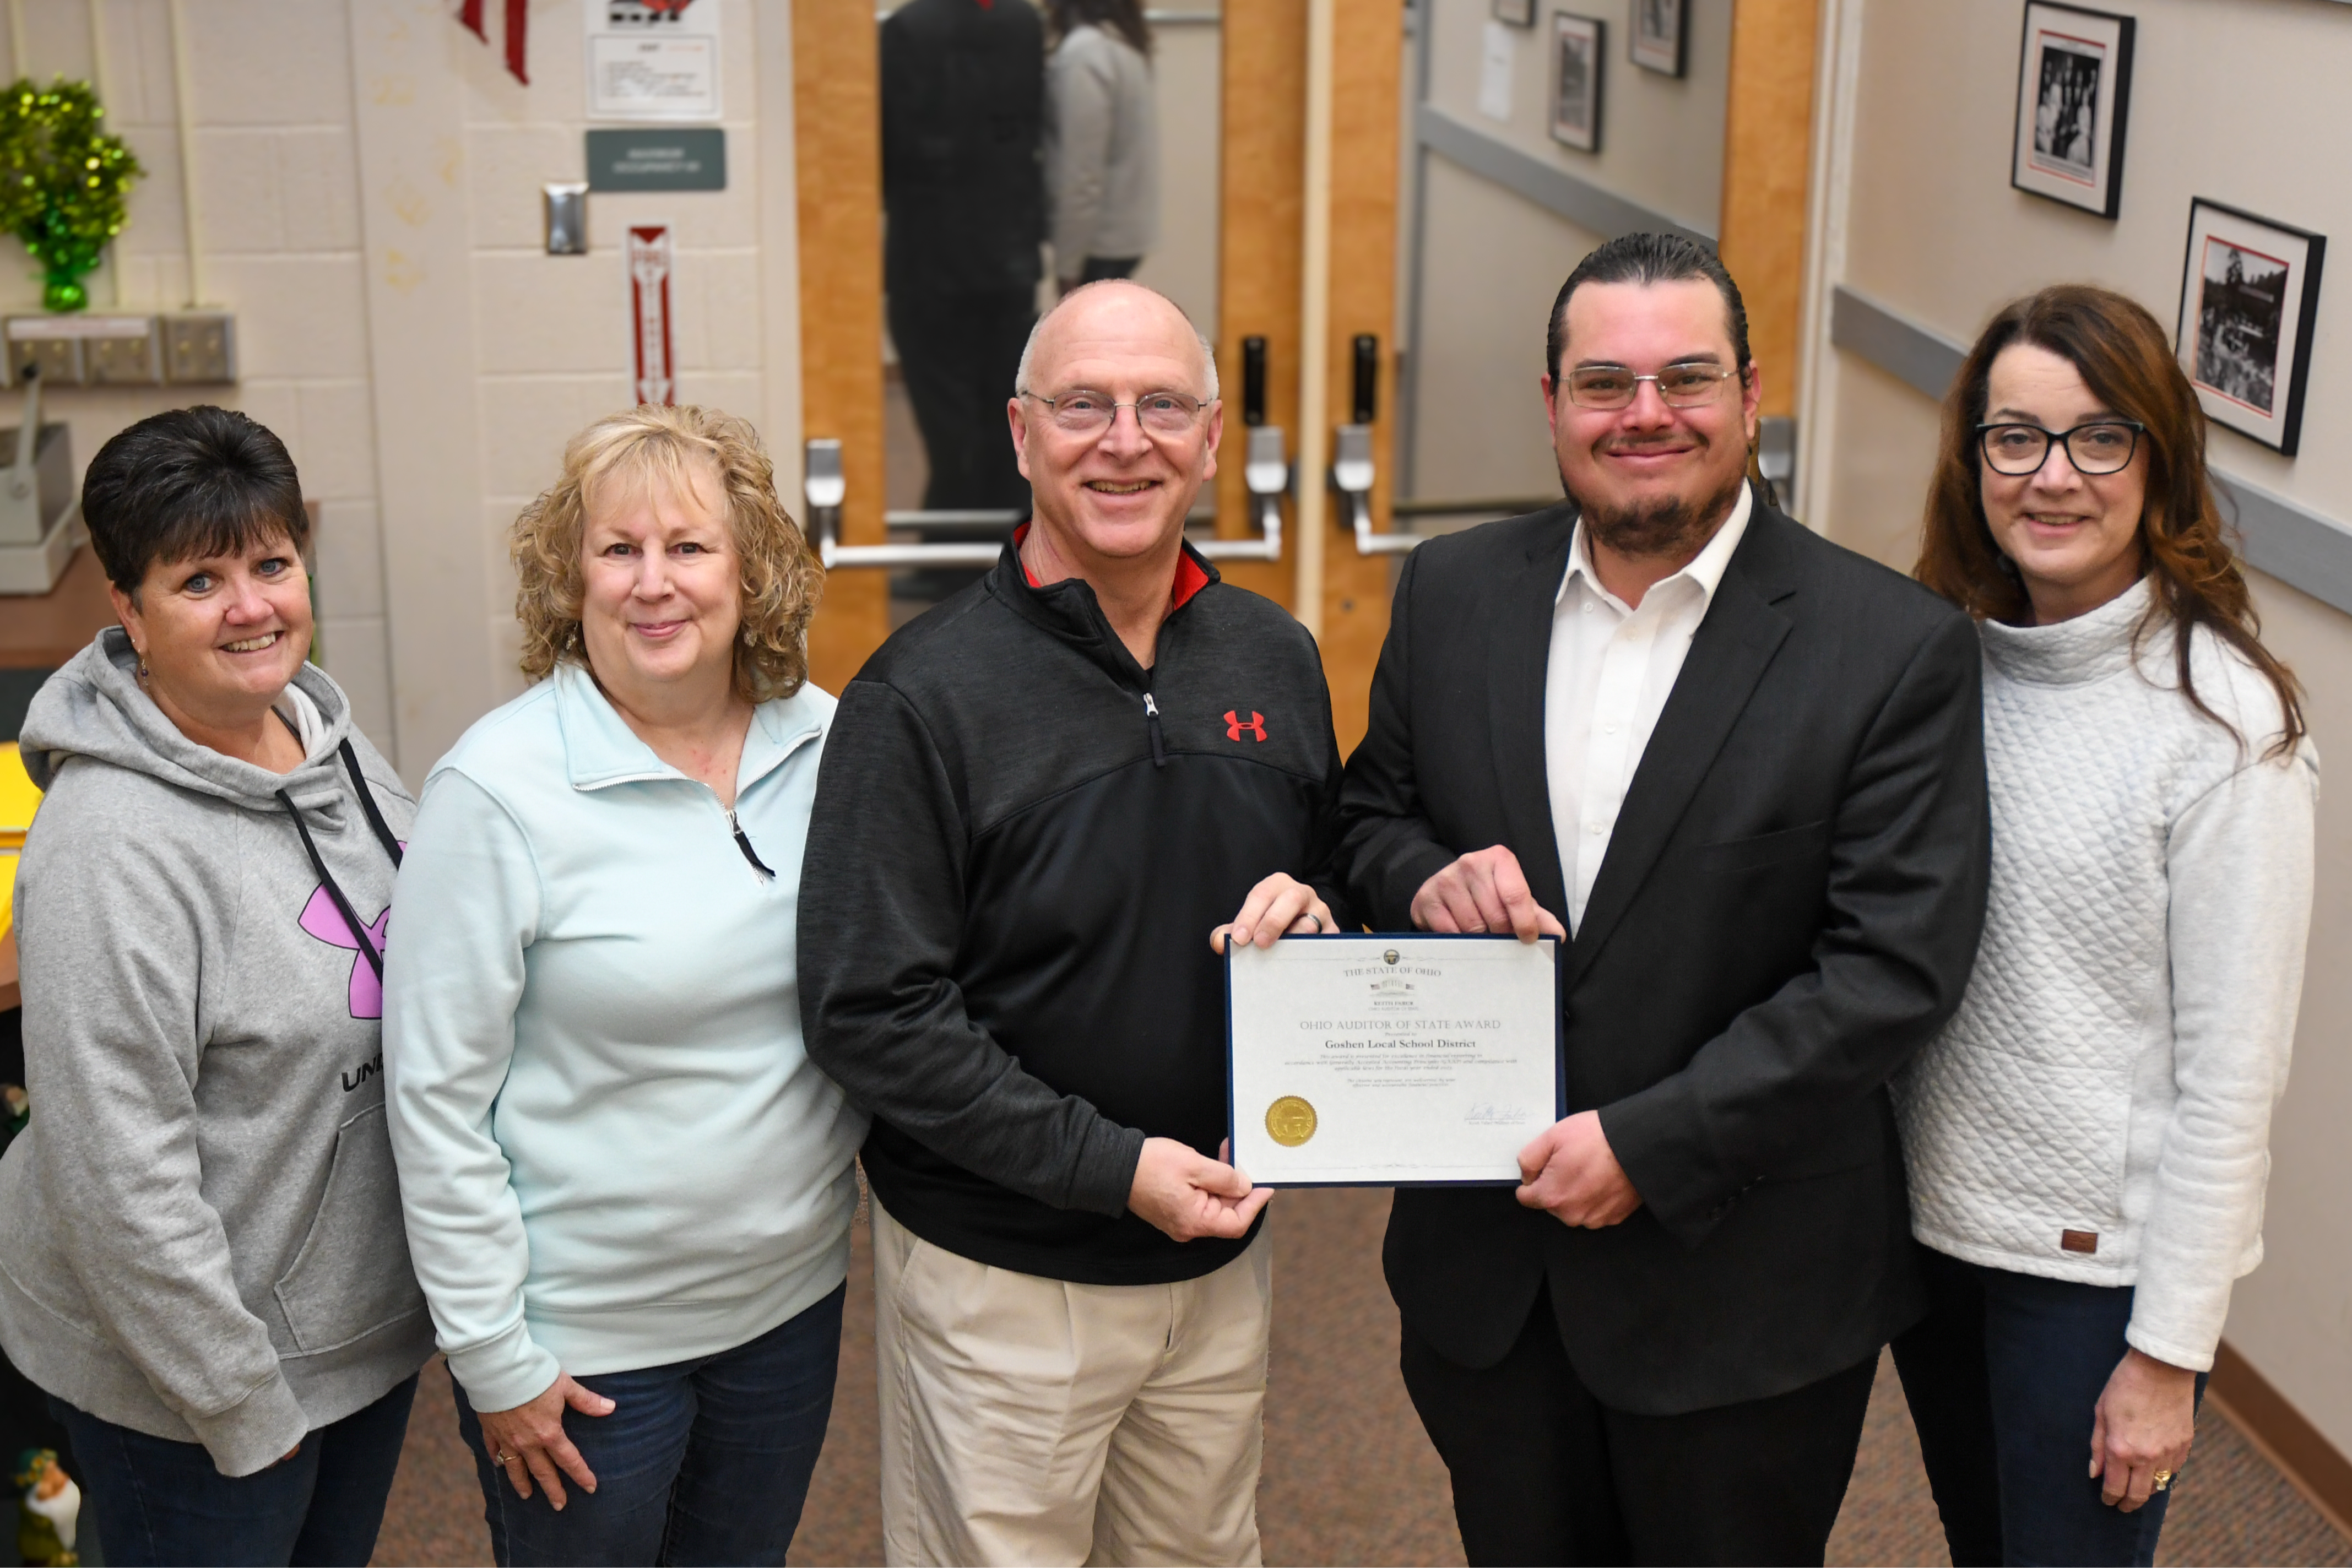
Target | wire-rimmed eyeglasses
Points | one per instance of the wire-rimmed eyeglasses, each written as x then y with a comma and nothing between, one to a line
2099,446
1616,386
1084,412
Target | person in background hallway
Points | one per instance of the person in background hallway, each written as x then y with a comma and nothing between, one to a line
628,1190
200,1254
963,94
1740,769
1102,140
1039,798
2088,1136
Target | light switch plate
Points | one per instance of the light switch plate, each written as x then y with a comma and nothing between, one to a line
131,355
36,341
567,218
199,347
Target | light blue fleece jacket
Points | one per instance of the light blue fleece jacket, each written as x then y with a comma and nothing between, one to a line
613,1153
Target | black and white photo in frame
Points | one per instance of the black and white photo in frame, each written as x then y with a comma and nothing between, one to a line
1576,58
2073,94
1658,31
2248,291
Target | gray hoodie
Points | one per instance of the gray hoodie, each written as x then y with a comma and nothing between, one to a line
200,1231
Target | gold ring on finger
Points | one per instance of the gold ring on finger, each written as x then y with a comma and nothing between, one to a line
2161,1481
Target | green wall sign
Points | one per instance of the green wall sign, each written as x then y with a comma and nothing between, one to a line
658,158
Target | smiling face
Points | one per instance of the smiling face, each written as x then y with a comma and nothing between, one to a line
2074,538
1121,494
220,634
660,602
1652,479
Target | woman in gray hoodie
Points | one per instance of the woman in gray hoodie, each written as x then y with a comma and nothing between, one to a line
201,1252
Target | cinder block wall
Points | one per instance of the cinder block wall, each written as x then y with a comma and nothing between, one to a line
360,159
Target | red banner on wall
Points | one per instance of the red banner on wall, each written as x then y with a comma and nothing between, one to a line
650,263
469,16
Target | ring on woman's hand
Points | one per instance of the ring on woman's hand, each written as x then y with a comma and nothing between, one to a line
2161,1481
504,1458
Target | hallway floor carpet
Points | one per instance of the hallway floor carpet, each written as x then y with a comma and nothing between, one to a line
1349,1477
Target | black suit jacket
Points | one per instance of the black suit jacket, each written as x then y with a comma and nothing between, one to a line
1789,908
963,105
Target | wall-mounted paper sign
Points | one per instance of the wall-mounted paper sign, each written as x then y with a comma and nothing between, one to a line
652,59
656,160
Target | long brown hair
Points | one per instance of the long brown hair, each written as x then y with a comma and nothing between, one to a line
2193,576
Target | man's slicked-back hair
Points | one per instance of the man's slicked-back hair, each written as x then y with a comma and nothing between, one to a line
1649,258
189,482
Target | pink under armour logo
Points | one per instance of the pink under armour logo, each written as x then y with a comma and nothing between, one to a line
321,919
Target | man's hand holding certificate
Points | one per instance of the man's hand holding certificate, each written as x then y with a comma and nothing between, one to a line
1393,1061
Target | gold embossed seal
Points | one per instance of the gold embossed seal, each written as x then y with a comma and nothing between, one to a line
1290,1121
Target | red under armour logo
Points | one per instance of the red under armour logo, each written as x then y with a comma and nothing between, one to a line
1254,723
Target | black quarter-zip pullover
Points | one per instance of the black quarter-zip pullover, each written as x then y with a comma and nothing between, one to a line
1021,842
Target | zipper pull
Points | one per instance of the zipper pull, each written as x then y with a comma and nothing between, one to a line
1159,745
743,842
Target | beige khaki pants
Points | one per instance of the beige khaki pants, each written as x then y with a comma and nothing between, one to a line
1027,1420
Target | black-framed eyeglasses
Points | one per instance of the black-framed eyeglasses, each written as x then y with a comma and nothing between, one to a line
1616,386
1084,412
2101,446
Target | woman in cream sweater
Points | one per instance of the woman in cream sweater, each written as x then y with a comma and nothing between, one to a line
2087,1138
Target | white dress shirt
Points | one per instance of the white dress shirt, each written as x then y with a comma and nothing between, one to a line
1611,669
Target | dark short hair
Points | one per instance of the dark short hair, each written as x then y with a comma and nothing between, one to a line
186,483
1649,258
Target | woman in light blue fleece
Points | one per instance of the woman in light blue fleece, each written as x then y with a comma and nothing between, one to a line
627,1192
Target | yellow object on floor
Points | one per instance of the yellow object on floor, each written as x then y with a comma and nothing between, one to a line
18,800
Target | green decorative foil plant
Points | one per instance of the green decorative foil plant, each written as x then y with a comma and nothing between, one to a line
61,182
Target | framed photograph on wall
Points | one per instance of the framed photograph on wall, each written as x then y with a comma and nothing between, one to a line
1517,12
2248,290
2073,89
1657,33
1576,56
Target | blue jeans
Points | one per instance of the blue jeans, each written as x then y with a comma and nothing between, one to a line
152,1500
701,1462
2002,1377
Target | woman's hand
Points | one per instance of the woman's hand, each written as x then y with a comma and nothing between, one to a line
2144,1424
529,1439
1280,905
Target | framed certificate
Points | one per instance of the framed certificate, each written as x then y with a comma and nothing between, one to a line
1394,1061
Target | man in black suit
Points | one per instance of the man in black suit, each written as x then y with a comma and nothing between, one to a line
963,93
1744,767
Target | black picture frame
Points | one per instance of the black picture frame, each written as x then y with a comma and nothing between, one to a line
1516,13
1646,46
2239,331
2073,106
1580,55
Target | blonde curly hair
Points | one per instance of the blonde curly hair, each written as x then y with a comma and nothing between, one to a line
653,445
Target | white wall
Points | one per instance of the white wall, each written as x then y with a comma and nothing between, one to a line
1187,70
1931,227
1492,262
1662,137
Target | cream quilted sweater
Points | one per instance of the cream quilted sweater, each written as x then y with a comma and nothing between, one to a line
2099,1108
